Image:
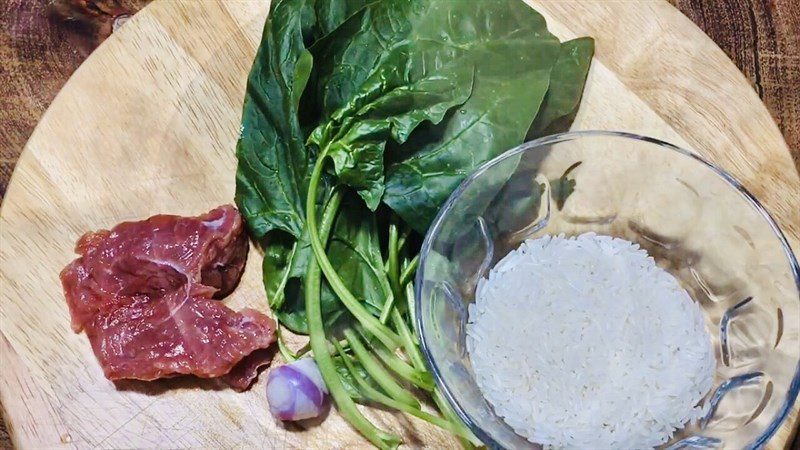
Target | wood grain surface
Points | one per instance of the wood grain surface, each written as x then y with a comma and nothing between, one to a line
38,53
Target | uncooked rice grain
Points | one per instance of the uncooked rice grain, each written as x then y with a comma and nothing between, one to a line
585,343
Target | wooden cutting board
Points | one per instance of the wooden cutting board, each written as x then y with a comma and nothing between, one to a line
148,125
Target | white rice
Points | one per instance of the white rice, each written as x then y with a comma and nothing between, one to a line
586,343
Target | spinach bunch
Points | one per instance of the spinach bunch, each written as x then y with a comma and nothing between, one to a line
359,120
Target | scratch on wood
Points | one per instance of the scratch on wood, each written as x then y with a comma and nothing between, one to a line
100,444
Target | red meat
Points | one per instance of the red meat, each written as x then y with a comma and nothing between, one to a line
145,293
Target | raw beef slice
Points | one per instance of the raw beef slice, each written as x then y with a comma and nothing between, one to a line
146,294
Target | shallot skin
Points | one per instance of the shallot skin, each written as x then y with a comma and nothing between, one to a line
296,391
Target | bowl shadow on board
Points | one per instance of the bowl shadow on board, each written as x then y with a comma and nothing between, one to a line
179,383
305,424
407,428
263,358
410,432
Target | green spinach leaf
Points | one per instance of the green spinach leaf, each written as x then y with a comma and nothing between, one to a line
566,88
273,169
514,54
274,163
349,55
332,13
355,247
417,82
283,270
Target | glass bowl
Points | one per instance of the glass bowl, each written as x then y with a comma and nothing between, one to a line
698,223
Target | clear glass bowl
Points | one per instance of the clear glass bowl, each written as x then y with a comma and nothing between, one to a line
698,223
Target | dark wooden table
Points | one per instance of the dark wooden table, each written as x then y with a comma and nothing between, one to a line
43,41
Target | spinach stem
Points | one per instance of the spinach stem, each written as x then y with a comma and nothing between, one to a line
393,272
277,300
319,344
375,327
411,348
377,372
394,257
377,396
303,350
287,354
412,307
401,243
419,378
388,306
409,271
468,440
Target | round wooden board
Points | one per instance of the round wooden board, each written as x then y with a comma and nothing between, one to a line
148,125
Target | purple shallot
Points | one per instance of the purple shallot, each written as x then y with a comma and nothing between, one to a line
296,391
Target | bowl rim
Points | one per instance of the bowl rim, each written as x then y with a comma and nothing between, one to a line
794,386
